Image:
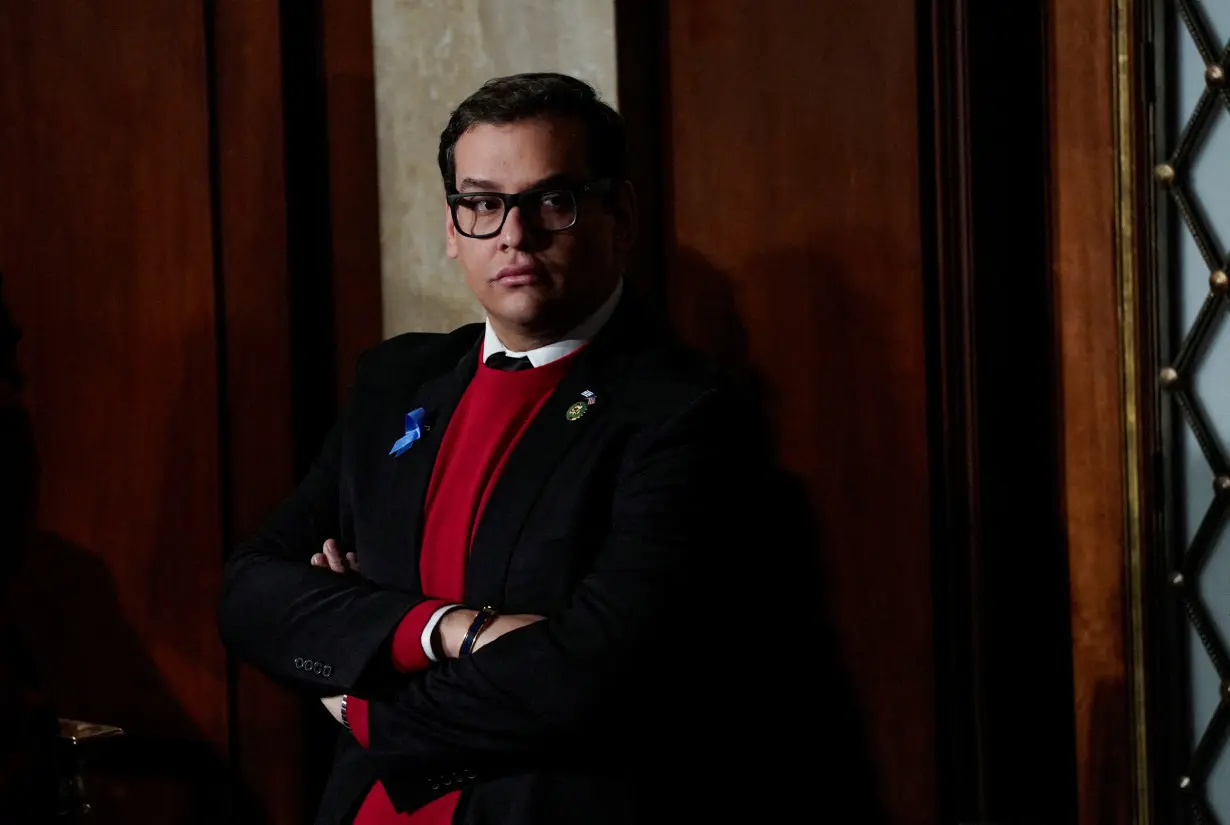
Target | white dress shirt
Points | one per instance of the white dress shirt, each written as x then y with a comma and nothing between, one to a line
576,338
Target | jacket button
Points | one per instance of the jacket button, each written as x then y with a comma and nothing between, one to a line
328,671
299,663
318,668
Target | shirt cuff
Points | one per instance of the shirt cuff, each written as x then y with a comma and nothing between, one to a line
412,638
430,628
356,717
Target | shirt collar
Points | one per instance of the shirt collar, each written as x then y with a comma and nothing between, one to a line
576,338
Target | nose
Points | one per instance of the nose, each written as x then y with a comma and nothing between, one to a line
512,236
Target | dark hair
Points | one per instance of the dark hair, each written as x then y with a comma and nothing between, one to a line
538,94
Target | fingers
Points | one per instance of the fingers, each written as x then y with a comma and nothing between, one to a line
334,557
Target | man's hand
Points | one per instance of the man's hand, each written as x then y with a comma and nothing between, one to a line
332,558
453,627
333,704
450,632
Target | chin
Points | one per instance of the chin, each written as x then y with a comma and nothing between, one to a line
523,308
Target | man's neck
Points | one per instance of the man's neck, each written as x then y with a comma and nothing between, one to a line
521,339
518,340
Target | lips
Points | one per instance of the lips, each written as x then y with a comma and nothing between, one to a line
517,274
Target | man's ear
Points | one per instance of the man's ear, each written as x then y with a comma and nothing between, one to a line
624,210
450,233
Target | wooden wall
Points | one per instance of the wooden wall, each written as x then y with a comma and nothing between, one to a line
173,339
794,238
1085,271
1002,605
253,284
108,253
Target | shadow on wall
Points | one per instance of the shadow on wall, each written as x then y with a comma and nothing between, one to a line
67,650
27,718
813,751
91,665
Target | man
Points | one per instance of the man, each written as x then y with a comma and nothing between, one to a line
502,575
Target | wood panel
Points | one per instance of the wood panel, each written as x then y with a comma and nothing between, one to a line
640,35
250,198
353,198
1083,198
793,149
1002,604
105,241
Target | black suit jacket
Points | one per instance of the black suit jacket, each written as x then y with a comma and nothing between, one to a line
622,527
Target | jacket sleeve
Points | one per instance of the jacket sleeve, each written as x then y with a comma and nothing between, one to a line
524,693
306,626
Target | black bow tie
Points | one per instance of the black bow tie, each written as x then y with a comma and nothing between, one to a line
508,363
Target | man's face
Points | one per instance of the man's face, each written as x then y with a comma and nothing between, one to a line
534,283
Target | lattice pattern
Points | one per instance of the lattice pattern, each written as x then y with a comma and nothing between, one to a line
1175,175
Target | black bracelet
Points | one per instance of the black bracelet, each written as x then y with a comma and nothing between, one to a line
480,622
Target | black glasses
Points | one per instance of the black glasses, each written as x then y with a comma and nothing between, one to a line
553,209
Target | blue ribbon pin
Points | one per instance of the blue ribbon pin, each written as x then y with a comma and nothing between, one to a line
414,431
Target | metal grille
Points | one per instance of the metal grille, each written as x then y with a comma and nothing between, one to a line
1182,380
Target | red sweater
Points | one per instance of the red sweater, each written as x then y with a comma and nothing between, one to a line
490,418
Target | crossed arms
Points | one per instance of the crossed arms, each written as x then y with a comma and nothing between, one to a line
530,684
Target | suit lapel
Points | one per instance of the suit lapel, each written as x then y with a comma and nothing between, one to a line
535,457
438,398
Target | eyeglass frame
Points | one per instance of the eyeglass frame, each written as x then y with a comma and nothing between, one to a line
602,186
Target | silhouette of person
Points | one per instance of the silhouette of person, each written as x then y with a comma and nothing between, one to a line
28,725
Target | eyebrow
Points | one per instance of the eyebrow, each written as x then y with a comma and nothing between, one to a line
483,185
